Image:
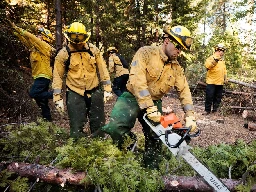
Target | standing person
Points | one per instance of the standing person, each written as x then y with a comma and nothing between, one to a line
40,59
85,69
119,67
216,76
154,71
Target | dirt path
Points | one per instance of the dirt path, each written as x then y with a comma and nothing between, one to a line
215,128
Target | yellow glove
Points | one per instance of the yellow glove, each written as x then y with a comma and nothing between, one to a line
191,121
107,96
153,114
60,106
216,57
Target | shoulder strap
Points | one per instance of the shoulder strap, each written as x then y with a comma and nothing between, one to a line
67,62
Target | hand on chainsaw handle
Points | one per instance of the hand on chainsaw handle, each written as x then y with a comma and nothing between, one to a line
60,106
107,96
153,114
191,122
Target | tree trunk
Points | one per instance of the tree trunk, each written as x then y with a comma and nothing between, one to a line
58,25
242,83
46,173
231,92
62,176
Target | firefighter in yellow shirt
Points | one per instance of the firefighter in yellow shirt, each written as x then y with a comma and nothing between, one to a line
40,58
119,67
82,61
154,71
216,76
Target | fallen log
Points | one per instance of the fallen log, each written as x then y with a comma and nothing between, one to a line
181,183
66,176
242,83
47,174
228,91
238,107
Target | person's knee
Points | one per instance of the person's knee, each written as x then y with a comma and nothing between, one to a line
111,130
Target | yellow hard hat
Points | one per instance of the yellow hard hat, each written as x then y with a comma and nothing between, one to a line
76,33
181,34
47,35
220,46
112,50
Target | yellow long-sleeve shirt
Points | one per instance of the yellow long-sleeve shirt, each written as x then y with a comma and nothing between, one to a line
115,66
40,53
151,77
216,71
83,69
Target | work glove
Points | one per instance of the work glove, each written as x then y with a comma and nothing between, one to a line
107,96
60,106
191,121
216,57
153,114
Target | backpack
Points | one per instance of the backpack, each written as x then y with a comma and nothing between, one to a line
67,62
123,61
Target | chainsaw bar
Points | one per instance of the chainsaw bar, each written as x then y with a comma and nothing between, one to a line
178,146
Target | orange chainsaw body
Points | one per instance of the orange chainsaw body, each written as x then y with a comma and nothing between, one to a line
170,119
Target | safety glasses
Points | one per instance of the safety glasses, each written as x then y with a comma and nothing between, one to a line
220,49
78,37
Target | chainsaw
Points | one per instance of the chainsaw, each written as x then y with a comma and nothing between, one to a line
175,138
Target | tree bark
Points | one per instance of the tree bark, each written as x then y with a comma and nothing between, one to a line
66,176
242,83
58,9
46,173
229,92
239,107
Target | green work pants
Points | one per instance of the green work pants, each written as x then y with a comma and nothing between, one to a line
122,120
82,107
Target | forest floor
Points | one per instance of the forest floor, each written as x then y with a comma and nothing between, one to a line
215,128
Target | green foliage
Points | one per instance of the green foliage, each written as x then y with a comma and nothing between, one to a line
108,167
171,165
111,169
33,141
19,184
225,160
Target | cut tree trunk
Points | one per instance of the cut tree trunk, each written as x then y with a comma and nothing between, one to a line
249,114
66,176
242,83
46,173
251,126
